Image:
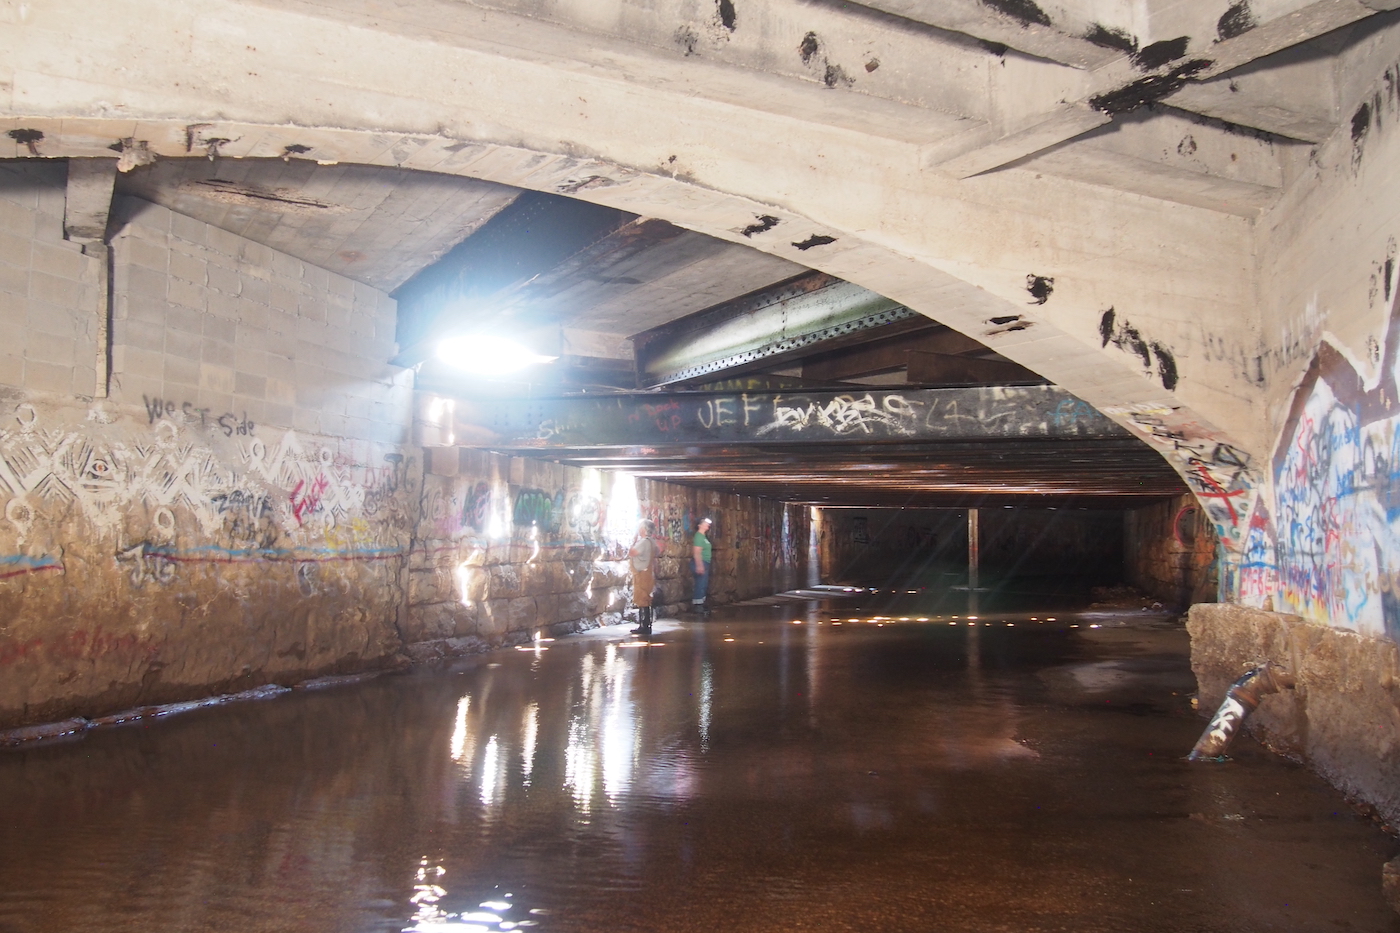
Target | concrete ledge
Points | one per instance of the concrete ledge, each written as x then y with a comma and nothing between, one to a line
1343,718
437,649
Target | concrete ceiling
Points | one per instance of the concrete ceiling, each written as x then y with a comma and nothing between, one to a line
372,224
1211,104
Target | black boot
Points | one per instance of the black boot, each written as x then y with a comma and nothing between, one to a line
641,628
647,619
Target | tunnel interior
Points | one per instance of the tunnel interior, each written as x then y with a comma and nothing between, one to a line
1027,558
975,395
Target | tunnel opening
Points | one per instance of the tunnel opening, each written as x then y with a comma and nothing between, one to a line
1027,558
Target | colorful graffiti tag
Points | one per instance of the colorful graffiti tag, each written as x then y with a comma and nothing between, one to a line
251,501
1223,477
1336,526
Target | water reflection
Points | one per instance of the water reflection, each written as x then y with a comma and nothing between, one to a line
531,731
490,772
707,693
461,751
793,777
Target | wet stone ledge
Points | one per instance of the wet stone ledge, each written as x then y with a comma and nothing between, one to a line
1342,718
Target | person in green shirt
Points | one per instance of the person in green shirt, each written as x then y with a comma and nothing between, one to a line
701,551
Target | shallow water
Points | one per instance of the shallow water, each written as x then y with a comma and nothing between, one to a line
747,773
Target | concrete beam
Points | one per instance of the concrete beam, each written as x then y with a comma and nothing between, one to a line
1030,33
1173,75
1046,130
1300,25
439,86
822,418
89,199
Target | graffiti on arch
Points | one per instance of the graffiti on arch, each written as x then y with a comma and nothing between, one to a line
1224,478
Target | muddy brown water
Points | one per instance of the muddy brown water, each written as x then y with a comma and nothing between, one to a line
746,773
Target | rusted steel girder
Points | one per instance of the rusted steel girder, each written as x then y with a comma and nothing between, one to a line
701,419
790,319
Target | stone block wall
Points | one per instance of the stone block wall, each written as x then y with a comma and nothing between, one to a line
1087,543
1170,552
869,546
507,548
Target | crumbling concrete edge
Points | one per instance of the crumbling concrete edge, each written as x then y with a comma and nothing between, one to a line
77,726
1342,719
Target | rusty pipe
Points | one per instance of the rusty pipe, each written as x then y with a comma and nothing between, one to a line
1241,699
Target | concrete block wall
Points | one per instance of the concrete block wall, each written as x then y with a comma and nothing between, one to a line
237,512
218,325
507,548
51,291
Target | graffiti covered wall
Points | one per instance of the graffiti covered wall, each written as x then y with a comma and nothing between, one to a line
1330,547
146,563
213,523
507,548
1323,540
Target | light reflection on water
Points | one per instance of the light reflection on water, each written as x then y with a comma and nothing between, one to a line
803,774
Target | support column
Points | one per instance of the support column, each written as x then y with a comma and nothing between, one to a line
814,547
973,547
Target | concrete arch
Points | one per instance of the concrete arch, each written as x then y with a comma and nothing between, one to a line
448,88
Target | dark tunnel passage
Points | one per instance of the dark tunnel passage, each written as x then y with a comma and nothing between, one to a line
1027,557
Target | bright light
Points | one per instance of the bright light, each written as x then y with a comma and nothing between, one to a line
624,511
459,732
463,575
488,356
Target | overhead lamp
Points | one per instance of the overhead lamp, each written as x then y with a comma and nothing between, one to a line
486,355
